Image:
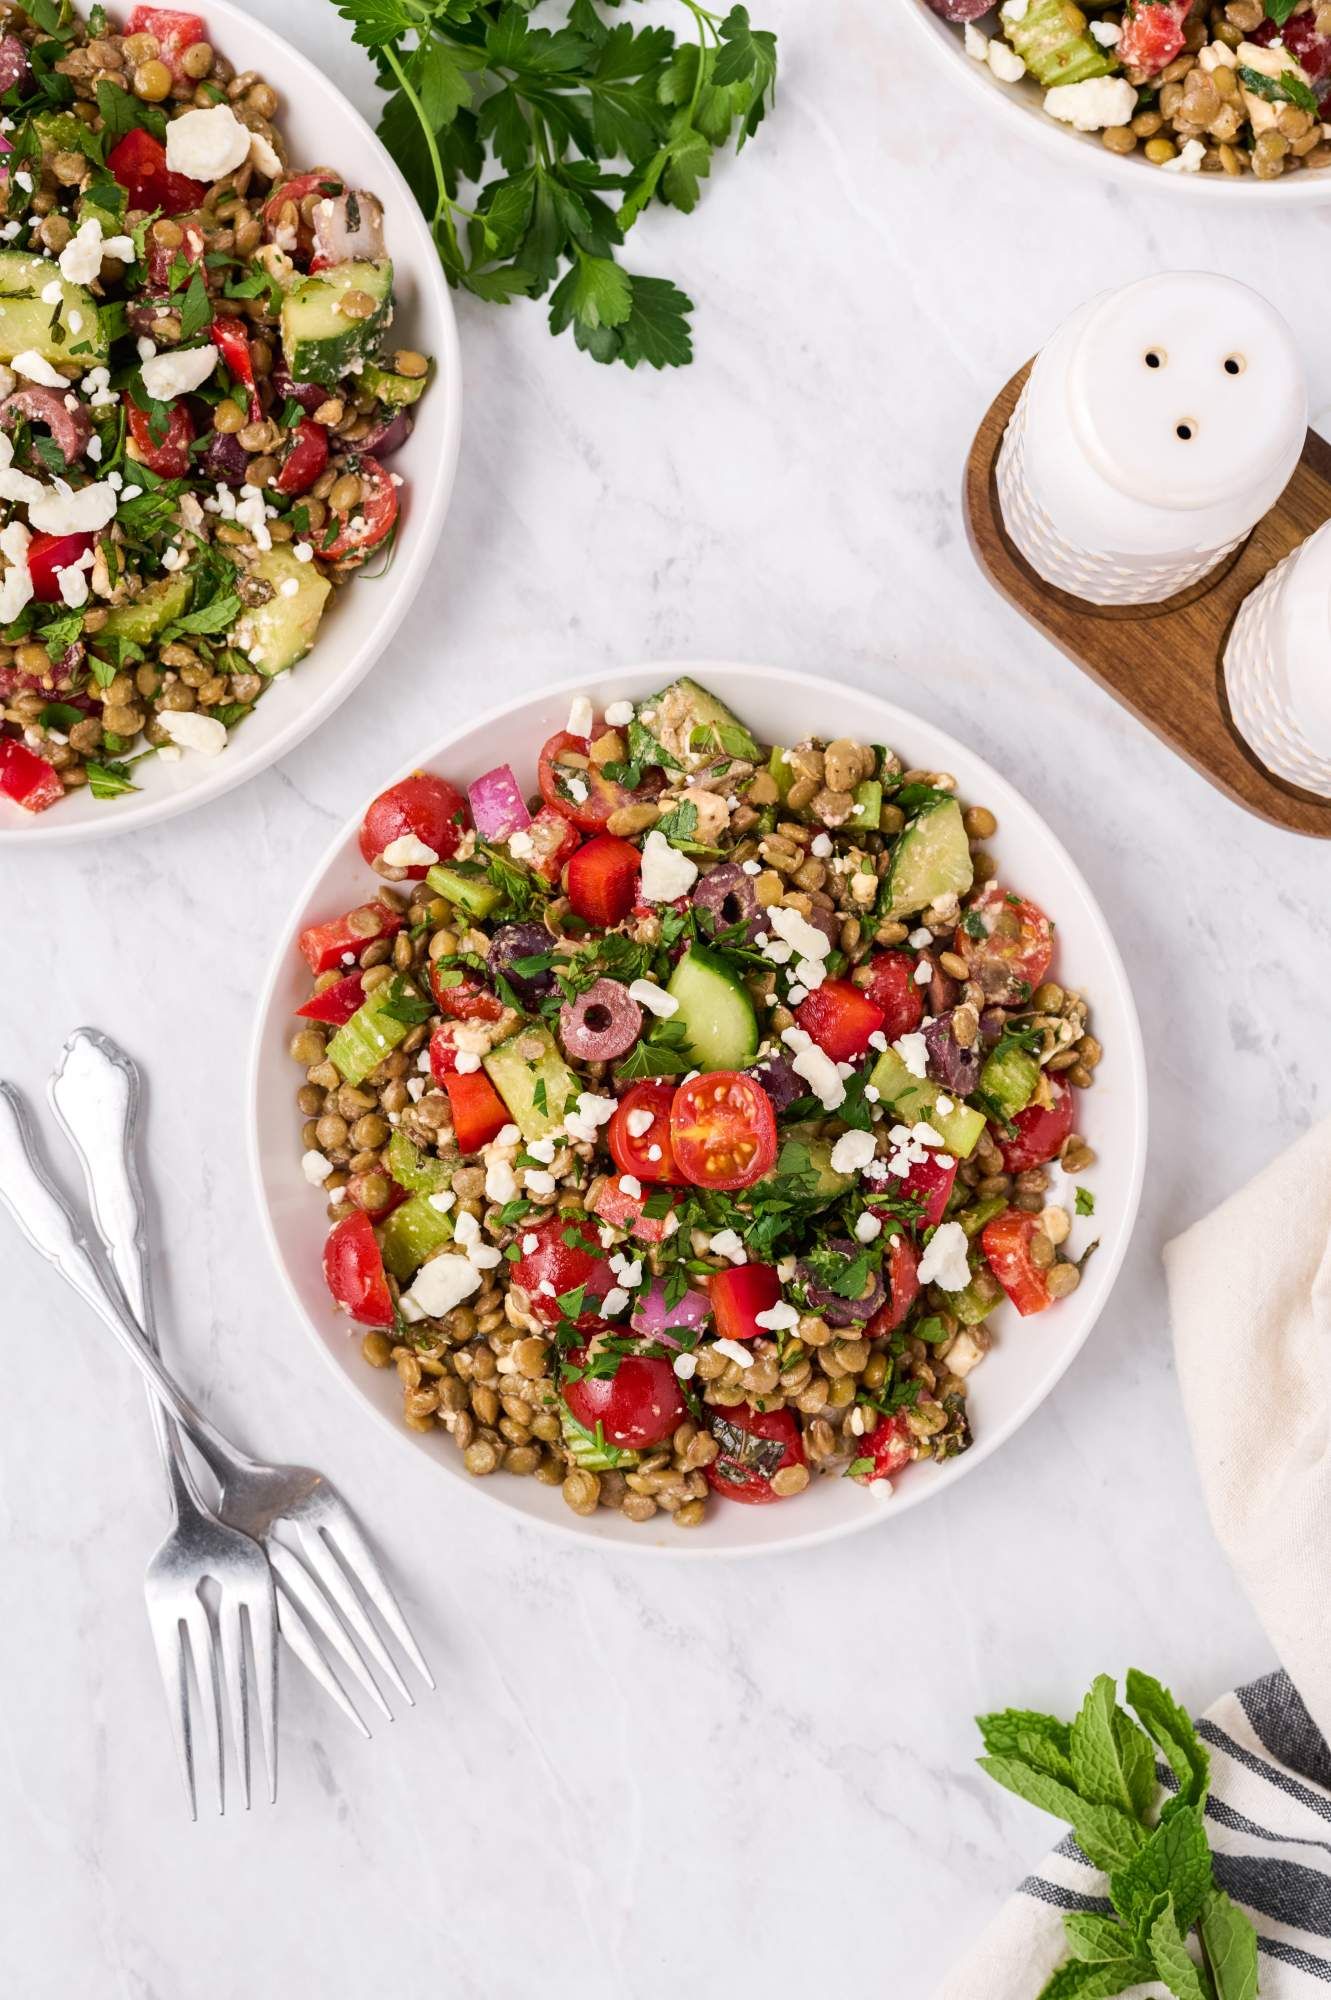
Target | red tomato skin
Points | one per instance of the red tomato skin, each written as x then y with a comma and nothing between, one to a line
731,1475
322,946
1006,1242
336,1004
554,841
304,457
625,1211
739,1295
1040,1133
892,987
479,1112
162,257
174,33
890,1446
47,556
396,1196
630,1155
903,1278
602,880
354,1271
423,804
564,1265
636,1407
930,1182
231,337
1017,950
376,509
589,815
443,1055
1153,34
26,778
167,456
138,162
468,1000
840,1019
712,1113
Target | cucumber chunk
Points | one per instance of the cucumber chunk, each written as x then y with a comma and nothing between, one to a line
1010,1077
361,1044
693,728
399,390
468,885
716,1011
868,811
828,1183
931,858
156,605
409,1235
1053,40
915,1100
69,332
416,1171
537,1090
584,1449
277,634
322,343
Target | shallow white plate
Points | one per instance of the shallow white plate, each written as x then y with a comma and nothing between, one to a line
320,129
1024,102
1028,1356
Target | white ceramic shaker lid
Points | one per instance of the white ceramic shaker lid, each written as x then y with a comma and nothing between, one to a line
1186,392
1306,619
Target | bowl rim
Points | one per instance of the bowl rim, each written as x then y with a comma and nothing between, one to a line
1109,1257
432,488
1013,102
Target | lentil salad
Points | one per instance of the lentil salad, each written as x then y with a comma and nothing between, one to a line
1228,87
197,414
682,1125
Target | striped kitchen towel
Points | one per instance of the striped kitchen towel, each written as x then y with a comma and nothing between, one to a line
1269,1822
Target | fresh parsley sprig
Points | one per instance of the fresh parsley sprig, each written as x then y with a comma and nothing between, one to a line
561,138
1099,1773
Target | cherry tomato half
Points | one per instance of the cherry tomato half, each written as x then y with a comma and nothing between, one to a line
138,162
336,1004
423,805
929,1181
892,987
466,999
754,1446
1040,1131
167,452
637,1406
354,1271
47,556
303,457
903,1278
173,32
579,789
840,1019
1015,946
367,525
739,1295
29,780
1006,1242
648,1154
603,880
565,1257
723,1130
890,1446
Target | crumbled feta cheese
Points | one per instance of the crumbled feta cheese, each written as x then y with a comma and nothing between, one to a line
303,551
577,789
59,510
629,1184
206,144
415,1088
944,1262
73,581
178,372
193,731
264,156
97,386
878,1040
653,998
821,845
94,448
778,1318
408,851
289,586
500,1180
445,1281
592,1112
852,1151
914,1052
639,1124
530,1242
539,1180
1109,35
619,714
977,43
1004,61
752,867
443,1201
1094,104
684,1365
868,1227
581,716
924,972
315,1167
540,1149
822,1076
468,1230
37,368
521,845
614,1301
174,557
796,931
666,873
52,294
1188,160
466,1062
727,1243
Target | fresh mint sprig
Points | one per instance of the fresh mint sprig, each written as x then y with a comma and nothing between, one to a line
1098,1773
560,139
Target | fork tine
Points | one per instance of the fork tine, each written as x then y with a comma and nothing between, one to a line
343,1531
262,1618
319,1555
301,1641
201,1645
235,1672
302,1588
169,1644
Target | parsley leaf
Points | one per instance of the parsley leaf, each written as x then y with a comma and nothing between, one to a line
1085,1201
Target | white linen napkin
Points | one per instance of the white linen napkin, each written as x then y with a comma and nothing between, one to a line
1250,1293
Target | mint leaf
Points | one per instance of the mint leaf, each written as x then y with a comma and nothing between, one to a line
1107,1837
1173,1961
1279,11
1038,1788
1231,1946
1171,1727
1080,1981
1112,1761
1085,1201
1011,1730
1175,1862
1099,1940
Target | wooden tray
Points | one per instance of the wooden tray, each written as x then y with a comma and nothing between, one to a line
1164,662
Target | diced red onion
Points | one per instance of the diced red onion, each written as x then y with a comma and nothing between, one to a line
497,804
657,1321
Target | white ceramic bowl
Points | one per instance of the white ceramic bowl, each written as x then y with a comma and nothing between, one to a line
320,129
1023,103
1028,1357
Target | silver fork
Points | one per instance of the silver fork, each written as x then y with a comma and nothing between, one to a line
198,1549
255,1498
95,1093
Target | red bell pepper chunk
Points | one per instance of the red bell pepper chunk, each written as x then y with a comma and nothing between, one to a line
1006,1242
929,1181
625,1211
232,341
603,880
892,987
354,1271
47,556
890,1446
738,1295
138,162
336,1004
304,456
479,1112
26,778
840,1019
323,946
553,840
443,1053
167,454
1039,1131
173,32
903,1278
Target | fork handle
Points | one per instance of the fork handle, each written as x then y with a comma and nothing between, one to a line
53,1231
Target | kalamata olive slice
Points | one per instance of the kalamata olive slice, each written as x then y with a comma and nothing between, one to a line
226,459
780,1082
388,435
728,895
830,1305
961,10
70,429
601,1024
517,941
957,1069
308,394
14,65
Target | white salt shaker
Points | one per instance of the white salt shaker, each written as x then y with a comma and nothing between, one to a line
1278,667
1155,429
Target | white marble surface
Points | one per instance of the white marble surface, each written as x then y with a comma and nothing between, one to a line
633,1777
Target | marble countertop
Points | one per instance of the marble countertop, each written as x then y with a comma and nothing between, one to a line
633,1776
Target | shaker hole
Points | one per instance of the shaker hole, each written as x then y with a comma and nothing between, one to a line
1154,358
1185,431
1235,364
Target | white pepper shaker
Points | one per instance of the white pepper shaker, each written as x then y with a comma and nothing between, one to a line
1156,428
1278,667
